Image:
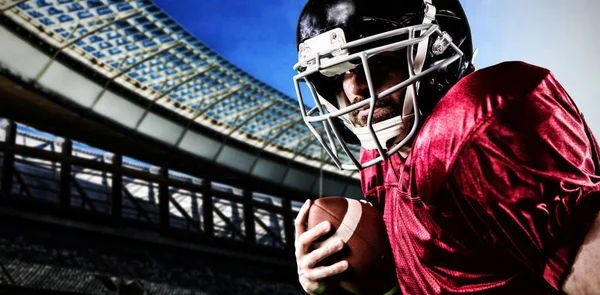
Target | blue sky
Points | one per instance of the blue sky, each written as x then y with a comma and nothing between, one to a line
259,37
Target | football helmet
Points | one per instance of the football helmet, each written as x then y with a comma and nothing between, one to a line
337,36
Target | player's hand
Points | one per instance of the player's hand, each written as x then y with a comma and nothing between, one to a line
311,277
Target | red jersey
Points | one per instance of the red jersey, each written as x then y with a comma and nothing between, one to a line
499,189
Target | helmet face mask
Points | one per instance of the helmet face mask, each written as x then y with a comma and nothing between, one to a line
326,57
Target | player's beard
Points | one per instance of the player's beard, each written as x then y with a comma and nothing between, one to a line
385,108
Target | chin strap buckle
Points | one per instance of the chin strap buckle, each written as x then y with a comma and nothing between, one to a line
441,44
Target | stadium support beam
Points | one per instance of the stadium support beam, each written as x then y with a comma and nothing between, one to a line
85,199
286,124
11,5
301,141
291,124
282,128
90,164
169,91
188,218
171,46
288,224
249,217
158,51
65,175
8,161
117,187
301,146
215,93
257,111
200,112
99,28
207,208
230,226
245,112
297,152
235,126
271,232
134,201
163,199
185,80
70,41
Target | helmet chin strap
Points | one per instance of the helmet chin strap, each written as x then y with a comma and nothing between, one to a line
385,130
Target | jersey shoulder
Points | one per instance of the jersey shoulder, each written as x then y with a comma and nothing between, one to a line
477,96
462,111
507,78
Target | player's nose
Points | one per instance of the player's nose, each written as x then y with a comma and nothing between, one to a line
355,83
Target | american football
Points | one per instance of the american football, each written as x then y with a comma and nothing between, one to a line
367,250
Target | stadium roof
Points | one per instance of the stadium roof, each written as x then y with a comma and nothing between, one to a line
135,44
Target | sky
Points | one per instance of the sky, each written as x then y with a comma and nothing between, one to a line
259,37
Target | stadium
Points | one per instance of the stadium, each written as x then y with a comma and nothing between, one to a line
137,160
163,148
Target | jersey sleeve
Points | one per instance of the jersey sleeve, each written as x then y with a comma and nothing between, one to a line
527,181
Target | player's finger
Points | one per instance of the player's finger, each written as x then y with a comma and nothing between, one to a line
322,272
301,218
323,252
304,241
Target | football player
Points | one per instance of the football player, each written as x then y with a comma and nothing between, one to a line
488,181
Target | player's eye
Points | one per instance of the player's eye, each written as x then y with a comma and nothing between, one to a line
383,60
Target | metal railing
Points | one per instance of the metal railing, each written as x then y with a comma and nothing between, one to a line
44,168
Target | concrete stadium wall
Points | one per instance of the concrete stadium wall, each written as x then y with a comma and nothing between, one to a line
31,64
